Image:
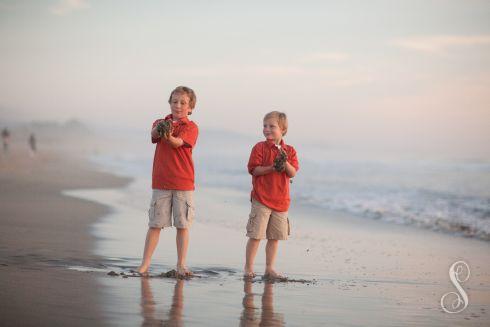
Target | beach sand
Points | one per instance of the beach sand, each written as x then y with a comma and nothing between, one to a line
362,272
41,233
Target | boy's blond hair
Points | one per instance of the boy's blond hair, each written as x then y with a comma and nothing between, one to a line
185,90
282,120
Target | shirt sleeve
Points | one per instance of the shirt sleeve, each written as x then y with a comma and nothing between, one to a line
155,140
189,135
293,158
256,158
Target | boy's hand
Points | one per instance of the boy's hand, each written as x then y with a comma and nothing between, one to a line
165,128
280,161
170,130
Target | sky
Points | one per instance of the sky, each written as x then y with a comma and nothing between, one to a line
403,76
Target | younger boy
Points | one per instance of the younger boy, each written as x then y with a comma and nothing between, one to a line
272,163
173,177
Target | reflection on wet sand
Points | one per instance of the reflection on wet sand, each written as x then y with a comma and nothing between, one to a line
268,317
148,305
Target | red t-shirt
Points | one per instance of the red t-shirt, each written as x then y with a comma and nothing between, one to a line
272,190
173,169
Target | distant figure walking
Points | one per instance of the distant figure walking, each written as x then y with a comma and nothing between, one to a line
5,140
32,144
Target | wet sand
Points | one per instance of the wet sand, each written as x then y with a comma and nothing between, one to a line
366,272
41,233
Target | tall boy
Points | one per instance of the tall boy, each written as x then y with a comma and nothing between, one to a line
173,177
272,163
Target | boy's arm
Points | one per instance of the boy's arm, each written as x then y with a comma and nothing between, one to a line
291,165
174,142
289,169
262,170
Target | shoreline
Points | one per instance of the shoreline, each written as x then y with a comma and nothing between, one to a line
43,231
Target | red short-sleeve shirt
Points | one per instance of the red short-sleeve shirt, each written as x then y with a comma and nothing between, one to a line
272,190
173,169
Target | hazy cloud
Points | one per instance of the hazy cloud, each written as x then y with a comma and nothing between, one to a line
66,7
332,76
440,43
325,57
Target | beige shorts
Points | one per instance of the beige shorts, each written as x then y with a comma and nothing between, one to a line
167,203
264,222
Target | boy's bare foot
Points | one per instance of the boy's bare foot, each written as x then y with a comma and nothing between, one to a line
183,271
140,274
142,270
273,275
248,274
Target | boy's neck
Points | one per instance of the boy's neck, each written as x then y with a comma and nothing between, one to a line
276,142
176,119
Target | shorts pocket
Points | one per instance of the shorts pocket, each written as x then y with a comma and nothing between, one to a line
251,222
289,227
158,209
190,211
151,211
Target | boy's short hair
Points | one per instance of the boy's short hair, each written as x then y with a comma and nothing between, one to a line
186,90
282,120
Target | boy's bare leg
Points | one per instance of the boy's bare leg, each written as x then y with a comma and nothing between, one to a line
152,237
251,252
270,257
182,241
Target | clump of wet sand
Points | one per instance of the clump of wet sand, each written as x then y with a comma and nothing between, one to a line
273,280
169,274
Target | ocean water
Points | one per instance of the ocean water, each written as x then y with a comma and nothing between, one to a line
442,195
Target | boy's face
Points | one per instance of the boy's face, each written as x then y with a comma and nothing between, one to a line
272,131
179,105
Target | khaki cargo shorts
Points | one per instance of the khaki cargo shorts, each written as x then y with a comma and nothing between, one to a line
167,203
264,222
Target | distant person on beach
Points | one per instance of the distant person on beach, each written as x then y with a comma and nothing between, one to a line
172,201
272,163
5,139
32,145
